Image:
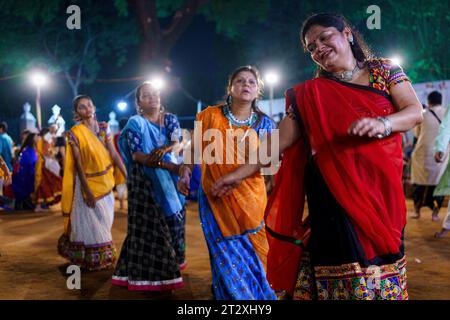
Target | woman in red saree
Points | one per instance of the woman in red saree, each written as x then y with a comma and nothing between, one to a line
341,149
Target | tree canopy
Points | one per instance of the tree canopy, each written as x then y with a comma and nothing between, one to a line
35,35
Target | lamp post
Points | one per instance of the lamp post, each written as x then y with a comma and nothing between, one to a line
157,82
38,79
271,79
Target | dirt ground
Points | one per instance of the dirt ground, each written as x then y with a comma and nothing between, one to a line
30,267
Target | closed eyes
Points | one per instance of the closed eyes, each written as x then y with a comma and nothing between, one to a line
322,38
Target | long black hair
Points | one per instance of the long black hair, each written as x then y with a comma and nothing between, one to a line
359,48
29,142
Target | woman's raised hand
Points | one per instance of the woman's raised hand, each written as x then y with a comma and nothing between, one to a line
225,185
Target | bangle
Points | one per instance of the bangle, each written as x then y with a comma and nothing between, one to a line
387,127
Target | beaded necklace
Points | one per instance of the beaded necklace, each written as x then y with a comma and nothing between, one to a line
235,121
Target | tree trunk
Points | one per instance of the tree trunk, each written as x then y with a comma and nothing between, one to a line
156,44
74,85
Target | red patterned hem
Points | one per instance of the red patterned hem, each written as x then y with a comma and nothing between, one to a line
351,282
92,257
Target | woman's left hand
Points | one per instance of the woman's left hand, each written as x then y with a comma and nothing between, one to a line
157,154
369,127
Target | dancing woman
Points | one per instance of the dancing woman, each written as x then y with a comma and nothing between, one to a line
88,201
153,252
341,148
233,225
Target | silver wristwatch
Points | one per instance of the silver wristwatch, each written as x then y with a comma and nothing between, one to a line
387,127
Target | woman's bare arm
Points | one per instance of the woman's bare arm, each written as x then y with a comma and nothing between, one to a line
289,132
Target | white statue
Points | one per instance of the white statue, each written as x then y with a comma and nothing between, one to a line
27,120
57,119
112,123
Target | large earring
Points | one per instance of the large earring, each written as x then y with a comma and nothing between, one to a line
229,100
350,39
139,109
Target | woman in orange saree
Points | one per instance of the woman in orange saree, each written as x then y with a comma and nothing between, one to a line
233,226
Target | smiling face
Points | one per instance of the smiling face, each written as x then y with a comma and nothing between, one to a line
85,109
244,87
149,98
329,48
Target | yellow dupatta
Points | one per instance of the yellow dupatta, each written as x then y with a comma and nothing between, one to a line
119,178
5,174
243,210
39,163
96,163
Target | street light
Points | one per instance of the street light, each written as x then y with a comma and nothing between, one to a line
271,79
122,106
157,82
38,79
397,60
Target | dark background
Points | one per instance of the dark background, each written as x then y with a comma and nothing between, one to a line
204,54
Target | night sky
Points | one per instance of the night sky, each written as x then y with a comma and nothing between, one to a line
195,61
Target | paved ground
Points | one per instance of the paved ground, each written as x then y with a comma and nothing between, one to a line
31,269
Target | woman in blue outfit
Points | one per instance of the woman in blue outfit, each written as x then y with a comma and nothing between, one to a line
154,250
23,180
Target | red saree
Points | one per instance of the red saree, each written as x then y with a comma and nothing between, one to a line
363,174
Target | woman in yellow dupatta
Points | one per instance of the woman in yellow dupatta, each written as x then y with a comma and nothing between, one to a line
88,201
233,225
